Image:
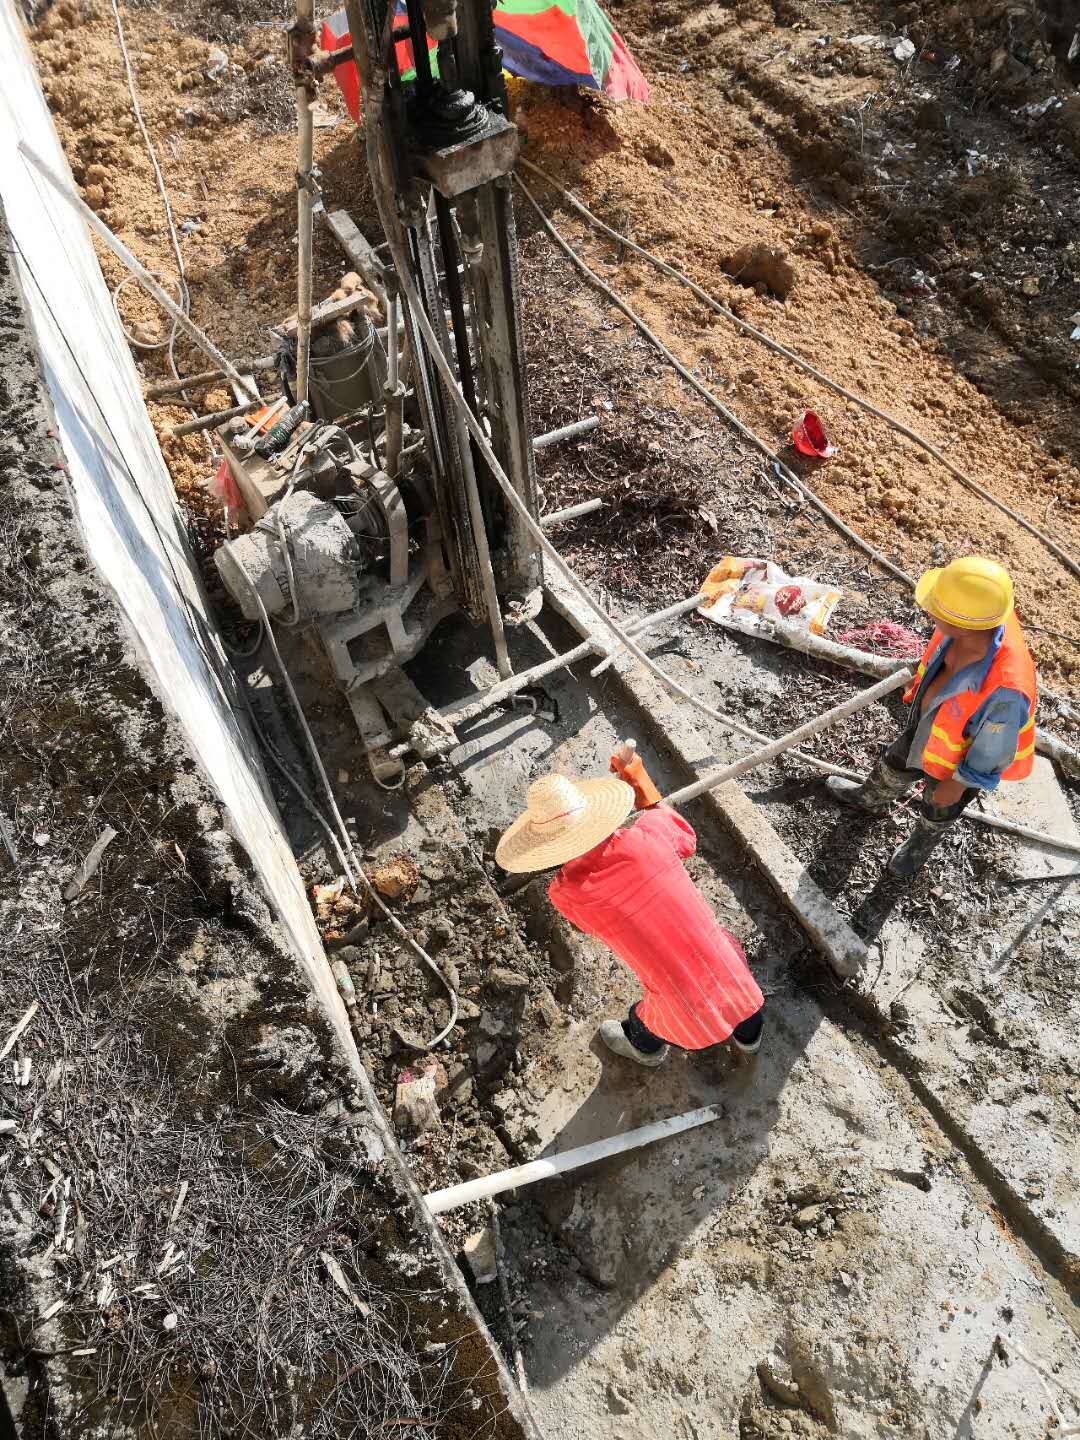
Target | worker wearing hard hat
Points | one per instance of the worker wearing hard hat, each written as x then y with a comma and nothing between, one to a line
972,716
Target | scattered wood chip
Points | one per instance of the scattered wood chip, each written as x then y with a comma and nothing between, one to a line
13,1038
337,1275
90,864
181,1196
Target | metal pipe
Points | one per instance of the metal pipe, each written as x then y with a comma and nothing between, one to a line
145,279
392,353
393,402
560,517
209,422
464,710
789,741
304,202
567,432
439,1201
483,551
206,377
681,607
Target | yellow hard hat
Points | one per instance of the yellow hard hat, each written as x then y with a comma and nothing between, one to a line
972,593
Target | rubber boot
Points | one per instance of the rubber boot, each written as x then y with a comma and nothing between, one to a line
614,1037
933,824
876,793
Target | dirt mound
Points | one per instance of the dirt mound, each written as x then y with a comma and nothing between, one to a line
742,136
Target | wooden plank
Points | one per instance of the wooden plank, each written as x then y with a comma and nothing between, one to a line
327,310
360,254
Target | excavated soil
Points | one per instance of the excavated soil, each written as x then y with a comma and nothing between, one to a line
927,214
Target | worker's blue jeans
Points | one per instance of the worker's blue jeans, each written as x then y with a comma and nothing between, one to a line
643,1039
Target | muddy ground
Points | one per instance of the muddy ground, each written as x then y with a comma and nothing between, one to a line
929,217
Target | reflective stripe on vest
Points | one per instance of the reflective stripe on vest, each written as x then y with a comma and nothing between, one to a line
1011,669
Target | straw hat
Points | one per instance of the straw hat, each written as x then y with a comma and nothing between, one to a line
564,819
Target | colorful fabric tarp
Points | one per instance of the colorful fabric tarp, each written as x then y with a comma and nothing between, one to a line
568,42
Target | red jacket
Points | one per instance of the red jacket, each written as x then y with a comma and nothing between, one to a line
632,892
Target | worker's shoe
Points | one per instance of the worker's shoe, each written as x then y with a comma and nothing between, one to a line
875,794
933,824
746,1037
614,1037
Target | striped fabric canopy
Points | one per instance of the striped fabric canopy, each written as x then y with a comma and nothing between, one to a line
568,42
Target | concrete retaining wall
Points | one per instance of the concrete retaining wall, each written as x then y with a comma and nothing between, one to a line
124,496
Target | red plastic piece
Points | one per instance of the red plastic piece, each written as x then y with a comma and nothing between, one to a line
809,437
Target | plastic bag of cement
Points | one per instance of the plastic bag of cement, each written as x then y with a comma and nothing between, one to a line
754,595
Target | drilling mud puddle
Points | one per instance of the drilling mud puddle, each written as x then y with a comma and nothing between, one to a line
825,1257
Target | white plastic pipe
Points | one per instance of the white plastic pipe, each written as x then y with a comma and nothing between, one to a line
145,279
559,517
439,1201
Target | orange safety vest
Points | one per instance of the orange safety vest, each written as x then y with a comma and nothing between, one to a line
1012,668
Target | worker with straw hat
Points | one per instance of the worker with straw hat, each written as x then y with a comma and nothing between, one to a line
628,888
972,718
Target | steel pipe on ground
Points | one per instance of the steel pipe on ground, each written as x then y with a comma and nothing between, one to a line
559,517
791,740
566,432
439,1201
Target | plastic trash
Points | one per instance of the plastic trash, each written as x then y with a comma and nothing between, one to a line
809,437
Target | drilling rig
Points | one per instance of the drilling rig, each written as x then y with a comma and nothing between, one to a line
378,516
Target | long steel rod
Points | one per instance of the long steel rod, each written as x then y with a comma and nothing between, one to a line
304,202
464,710
439,1201
567,432
145,279
791,740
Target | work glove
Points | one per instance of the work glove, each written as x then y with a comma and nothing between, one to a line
634,773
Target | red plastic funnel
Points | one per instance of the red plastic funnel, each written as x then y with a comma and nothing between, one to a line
809,437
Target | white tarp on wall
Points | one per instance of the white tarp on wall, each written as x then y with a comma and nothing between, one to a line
124,497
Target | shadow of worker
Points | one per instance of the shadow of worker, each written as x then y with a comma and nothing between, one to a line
628,1218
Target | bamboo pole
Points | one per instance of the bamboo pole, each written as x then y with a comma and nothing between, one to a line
791,740
439,1201
145,279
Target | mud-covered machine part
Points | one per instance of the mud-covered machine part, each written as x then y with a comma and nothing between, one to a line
373,550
